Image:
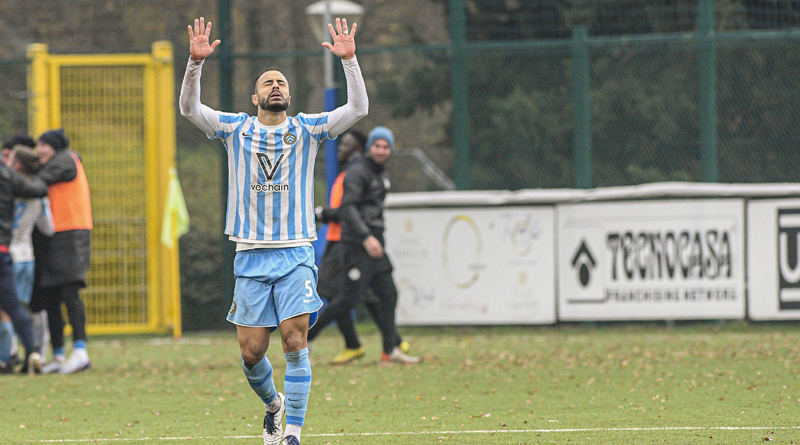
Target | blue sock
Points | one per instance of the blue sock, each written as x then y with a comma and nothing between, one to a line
58,351
260,379
297,385
6,334
79,344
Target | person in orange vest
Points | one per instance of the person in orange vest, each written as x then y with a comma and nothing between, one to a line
62,260
331,269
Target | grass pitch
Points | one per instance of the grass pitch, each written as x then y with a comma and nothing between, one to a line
699,383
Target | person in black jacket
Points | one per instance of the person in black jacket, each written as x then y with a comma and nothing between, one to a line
331,275
13,184
367,267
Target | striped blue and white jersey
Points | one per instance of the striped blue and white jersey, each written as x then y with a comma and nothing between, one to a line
271,168
270,176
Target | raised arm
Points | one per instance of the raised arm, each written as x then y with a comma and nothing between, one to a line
357,105
202,116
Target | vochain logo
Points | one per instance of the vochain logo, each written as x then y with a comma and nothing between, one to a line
788,261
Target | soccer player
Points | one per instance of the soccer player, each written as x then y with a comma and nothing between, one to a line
270,216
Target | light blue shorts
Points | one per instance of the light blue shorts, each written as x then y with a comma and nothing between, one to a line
273,285
23,281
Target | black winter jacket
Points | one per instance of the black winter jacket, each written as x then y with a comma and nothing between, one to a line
14,185
365,186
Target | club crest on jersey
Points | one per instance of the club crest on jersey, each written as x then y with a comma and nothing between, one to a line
289,138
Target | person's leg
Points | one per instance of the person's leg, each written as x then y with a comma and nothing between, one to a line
47,297
375,310
297,382
384,288
330,287
347,328
253,344
6,336
23,281
335,310
253,313
78,359
55,321
41,334
9,303
76,311
297,304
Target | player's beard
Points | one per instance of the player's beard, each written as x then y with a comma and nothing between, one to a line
275,107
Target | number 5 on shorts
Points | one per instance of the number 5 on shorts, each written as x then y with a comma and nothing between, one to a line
309,297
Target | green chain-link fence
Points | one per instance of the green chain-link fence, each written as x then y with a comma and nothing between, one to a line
510,112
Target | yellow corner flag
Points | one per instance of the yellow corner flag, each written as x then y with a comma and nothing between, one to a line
176,217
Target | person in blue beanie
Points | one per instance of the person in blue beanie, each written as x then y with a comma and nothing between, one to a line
367,267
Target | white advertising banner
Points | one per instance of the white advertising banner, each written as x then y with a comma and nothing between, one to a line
773,269
651,260
473,265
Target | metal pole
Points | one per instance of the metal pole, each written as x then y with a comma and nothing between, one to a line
460,86
581,87
707,71
226,104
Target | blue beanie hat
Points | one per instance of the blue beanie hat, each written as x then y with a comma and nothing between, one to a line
380,133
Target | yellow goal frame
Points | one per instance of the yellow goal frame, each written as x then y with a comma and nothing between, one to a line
119,111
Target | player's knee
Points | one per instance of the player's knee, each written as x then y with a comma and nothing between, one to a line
252,356
294,341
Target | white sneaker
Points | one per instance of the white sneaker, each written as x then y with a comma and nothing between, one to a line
273,432
397,356
78,361
35,363
54,366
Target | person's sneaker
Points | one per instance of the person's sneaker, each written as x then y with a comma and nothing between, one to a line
348,355
397,356
404,347
290,440
9,366
34,363
54,366
78,361
272,423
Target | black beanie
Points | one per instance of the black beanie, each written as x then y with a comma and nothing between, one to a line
20,139
55,138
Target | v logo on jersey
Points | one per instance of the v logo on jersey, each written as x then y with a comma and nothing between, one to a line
267,166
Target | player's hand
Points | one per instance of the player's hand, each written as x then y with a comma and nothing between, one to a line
373,246
199,48
344,44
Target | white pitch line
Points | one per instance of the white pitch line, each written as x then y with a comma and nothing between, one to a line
413,433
